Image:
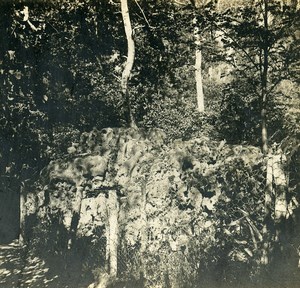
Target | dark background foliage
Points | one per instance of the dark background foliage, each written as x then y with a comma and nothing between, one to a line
60,78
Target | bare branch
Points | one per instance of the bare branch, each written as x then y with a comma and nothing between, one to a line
148,23
238,45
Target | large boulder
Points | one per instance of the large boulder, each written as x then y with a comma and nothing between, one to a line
168,192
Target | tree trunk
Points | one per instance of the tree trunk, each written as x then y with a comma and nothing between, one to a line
22,216
264,132
280,183
198,72
269,185
198,77
264,137
113,232
129,62
76,216
143,230
264,80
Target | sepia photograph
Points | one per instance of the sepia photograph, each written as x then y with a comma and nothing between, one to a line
149,143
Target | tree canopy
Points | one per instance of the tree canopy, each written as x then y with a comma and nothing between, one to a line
216,80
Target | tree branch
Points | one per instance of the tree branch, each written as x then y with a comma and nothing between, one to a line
148,23
237,44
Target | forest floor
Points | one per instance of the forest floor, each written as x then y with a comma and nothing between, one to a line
20,268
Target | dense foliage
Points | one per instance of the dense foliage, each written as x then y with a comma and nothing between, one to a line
194,182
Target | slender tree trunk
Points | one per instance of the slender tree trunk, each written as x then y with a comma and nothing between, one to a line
269,185
76,216
264,137
280,182
198,71
198,76
264,133
22,215
277,185
280,189
113,232
264,79
144,230
129,62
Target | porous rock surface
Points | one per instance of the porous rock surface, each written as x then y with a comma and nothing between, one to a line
166,191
